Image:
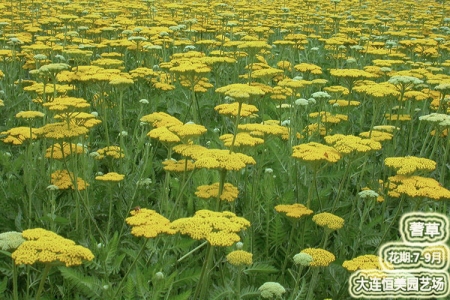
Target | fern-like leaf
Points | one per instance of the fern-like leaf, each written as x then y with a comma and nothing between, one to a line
250,292
88,286
221,293
259,267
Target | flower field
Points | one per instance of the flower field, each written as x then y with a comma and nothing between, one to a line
216,150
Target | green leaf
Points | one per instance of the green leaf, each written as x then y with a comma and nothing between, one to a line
259,267
3,285
88,286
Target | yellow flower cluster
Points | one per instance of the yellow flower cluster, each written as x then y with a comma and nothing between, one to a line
63,104
64,179
18,135
321,257
240,92
110,152
183,165
376,135
240,258
46,246
61,130
328,220
222,159
148,223
242,139
229,193
218,228
410,164
315,152
347,144
295,210
111,176
363,262
55,151
417,186
231,109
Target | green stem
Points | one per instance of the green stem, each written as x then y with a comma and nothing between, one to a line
392,222
15,291
236,124
341,185
41,283
202,285
312,284
222,174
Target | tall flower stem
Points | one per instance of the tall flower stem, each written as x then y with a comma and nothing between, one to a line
399,208
312,284
236,124
341,185
15,291
203,282
222,174
41,283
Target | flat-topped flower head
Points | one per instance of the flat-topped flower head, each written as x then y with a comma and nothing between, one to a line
61,130
229,193
240,258
409,164
163,134
64,179
315,152
46,247
18,135
188,130
270,290
347,144
30,114
148,223
63,104
303,259
295,210
242,139
417,186
328,221
111,176
379,136
159,119
222,160
363,262
55,151
10,240
178,166
110,152
231,109
321,257
218,228
241,92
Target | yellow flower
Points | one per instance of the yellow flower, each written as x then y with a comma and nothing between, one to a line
315,152
189,150
229,193
110,151
321,257
261,129
46,246
222,159
188,130
55,151
397,117
232,109
363,262
18,135
409,164
63,104
111,176
306,67
183,165
240,92
164,134
159,119
30,114
148,223
295,210
218,228
240,257
328,221
346,144
61,130
242,139
376,135
64,179
416,186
